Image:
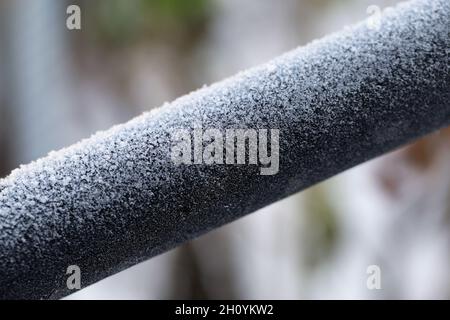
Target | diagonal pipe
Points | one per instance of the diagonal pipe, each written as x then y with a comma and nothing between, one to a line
118,198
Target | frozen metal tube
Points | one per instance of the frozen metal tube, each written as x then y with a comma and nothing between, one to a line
144,187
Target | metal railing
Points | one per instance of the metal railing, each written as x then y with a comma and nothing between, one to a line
119,198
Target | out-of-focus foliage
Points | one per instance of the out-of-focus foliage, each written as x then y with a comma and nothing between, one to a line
120,22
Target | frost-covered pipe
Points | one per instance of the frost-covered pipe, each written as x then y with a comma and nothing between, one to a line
119,198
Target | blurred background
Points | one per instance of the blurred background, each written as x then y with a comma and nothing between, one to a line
58,86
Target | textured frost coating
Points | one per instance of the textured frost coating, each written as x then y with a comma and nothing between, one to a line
116,199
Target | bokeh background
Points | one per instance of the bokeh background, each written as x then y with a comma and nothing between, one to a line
58,86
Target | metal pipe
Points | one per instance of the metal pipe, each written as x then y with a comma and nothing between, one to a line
118,198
